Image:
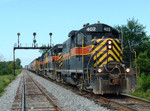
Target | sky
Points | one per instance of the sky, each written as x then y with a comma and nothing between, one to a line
60,17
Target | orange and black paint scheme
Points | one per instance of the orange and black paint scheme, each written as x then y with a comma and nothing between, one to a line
92,58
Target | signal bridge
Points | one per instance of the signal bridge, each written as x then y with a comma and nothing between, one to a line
33,46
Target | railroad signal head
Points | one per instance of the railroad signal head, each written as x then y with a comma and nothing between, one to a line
18,34
34,34
50,34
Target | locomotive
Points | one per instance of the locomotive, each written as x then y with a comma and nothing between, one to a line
93,59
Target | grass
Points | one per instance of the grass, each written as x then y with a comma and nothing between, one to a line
6,79
18,71
142,94
143,90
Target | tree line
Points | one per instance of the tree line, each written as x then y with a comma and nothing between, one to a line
6,67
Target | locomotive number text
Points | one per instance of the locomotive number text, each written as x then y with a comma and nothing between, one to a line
91,29
107,29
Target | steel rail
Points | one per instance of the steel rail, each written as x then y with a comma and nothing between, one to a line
107,101
23,94
57,107
137,99
121,106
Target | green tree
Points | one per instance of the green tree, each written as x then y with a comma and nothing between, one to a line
143,62
18,63
145,47
10,67
134,32
6,67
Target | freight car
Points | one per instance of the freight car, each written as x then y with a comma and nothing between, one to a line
93,59
34,66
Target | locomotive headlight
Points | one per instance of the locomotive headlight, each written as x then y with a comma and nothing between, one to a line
99,70
109,46
128,70
109,42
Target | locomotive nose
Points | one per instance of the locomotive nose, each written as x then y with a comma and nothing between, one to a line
105,51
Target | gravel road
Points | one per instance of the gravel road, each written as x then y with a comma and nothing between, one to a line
70,100
6,100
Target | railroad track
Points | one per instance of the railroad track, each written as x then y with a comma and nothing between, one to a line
31,96
132,102
122,102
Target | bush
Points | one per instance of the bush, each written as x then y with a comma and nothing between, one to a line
7,67
144,82
143,62
1,87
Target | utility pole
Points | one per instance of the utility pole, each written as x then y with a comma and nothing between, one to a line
14,61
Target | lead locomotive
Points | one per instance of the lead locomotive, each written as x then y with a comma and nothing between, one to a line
93,59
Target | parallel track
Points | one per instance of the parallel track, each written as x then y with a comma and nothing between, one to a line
32,96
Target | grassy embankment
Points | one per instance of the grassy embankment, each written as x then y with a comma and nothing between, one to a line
142,94
6,79
143,90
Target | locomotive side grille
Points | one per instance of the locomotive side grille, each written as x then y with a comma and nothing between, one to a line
60,60
102,55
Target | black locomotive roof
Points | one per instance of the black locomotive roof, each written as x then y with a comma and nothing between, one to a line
99,28
72,33
57,46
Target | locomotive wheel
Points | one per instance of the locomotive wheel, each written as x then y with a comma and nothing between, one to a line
97,86
62,78
80,83
58,78
80,86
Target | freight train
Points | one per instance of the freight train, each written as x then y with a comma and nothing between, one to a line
93,59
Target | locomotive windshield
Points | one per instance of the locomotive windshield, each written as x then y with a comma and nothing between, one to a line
101,35
91,36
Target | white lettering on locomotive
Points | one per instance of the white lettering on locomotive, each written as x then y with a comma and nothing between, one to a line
107,29
91,29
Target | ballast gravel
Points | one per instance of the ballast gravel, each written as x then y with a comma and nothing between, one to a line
70,100
6,100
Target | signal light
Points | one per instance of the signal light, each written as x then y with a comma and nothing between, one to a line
98,22
34,34
109,46
50,34
18,34
109,42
